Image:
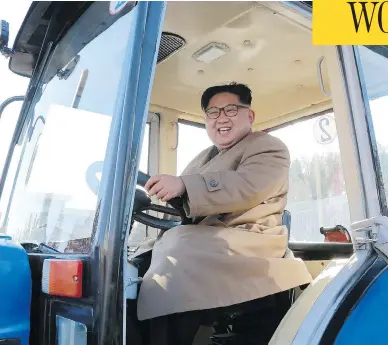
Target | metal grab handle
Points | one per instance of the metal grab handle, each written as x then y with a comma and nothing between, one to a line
362,225
176,124
320,78
9,101
369,225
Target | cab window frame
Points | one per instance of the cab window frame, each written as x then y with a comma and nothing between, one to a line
361,63
153,120
136,234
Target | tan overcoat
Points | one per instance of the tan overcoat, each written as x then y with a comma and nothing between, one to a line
238,252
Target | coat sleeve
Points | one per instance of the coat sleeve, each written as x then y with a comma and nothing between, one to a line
261,174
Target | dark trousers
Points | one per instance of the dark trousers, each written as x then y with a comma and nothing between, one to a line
257,320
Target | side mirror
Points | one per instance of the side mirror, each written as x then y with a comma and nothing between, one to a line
4,38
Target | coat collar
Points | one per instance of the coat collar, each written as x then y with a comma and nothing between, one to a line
213,155
242,140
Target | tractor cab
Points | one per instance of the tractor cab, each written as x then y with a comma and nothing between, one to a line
114,98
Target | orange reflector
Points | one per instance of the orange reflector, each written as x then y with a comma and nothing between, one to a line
62,277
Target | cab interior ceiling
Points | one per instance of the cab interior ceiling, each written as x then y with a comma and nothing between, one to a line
269,48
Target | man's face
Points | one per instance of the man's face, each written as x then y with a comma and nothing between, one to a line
225,131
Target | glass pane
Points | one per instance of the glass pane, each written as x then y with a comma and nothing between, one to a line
143,166
70,332
54,200
8,120
5,197
317,195
373,68
139,231
187,135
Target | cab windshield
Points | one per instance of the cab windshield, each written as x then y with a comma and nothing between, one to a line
52,190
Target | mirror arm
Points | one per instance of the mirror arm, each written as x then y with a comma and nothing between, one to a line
4,37
6,52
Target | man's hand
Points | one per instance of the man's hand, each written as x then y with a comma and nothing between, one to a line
165,187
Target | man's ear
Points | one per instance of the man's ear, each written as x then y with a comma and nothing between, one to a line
252,116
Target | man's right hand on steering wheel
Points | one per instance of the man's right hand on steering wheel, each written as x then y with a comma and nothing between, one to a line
165,187
143,198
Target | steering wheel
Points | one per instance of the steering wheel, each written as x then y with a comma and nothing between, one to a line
143,203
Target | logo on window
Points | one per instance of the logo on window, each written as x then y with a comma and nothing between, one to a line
325,130
341,22
116,6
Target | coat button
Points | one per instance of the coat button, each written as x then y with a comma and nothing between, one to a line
213,183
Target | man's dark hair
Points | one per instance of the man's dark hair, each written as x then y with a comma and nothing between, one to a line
242,91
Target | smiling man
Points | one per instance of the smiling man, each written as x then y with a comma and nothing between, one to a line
236,250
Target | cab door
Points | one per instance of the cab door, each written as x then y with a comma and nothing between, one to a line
71,198
359,318
357,89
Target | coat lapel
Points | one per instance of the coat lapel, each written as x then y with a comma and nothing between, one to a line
198,164
212,159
